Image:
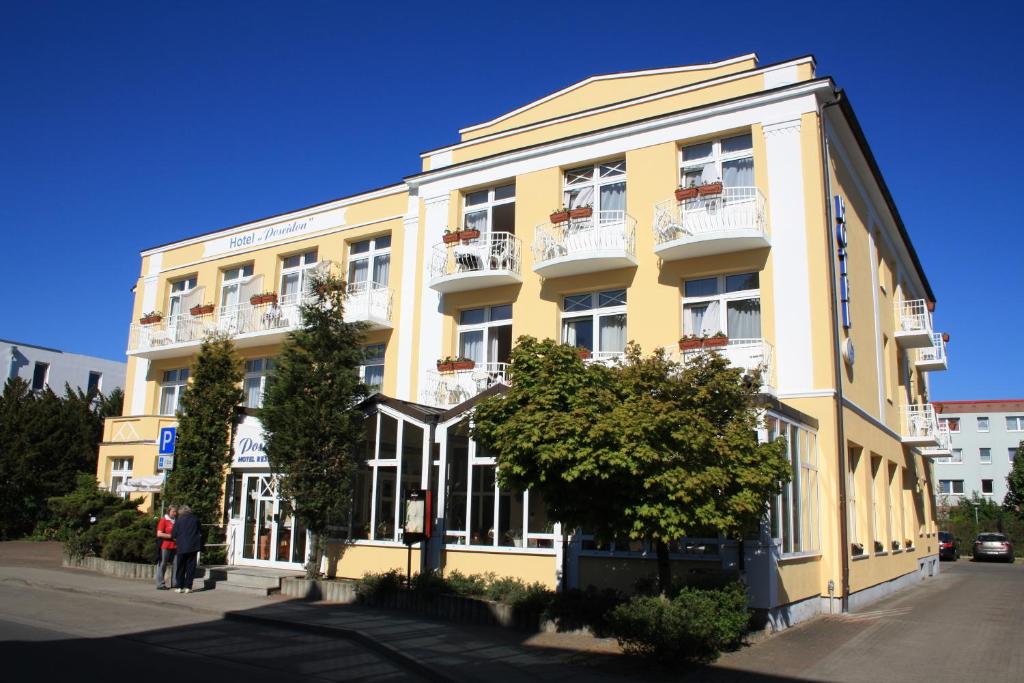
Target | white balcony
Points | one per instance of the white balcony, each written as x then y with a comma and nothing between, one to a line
604,241
945,443
919,426
448,389
370,303
750,355
490,260
913,324
933,357
732,221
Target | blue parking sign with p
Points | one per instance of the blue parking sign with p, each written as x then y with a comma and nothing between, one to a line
167,438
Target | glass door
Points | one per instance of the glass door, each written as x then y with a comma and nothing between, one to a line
271,533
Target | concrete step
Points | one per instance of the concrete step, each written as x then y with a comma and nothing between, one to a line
251,580
227,587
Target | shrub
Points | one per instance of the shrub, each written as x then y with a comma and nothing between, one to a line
472,585
132,543
589,608
376,586
428,583
696,624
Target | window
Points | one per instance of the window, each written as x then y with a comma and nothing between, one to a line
40,375
230,287
120,472
985,456
1015,423
485,334
371,372
491,210
982,424
295,276
255,382
957,457
851,495
369,262
986,487
1012,454
95,382
877,510
595,321
171,387
952,422
794,513
730,160
727,303
951,487
893,504
179,288
601,187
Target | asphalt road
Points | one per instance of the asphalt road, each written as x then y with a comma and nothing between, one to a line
52,635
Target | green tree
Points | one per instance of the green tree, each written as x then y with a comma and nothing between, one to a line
203,448
309,413
1014,500
84,518
18,459
647,449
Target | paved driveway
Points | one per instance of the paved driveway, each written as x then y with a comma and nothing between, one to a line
965,625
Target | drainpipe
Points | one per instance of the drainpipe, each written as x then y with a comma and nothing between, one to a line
844,540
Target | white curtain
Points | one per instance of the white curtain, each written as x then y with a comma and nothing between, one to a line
358,270
738,173
252,392
613,197
381,269
744,319
612,329
703,319
477,221
471,345
374,376
583,196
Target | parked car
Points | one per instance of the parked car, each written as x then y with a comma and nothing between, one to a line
949,546
993,546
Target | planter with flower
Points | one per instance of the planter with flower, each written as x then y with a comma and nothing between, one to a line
581,212
151,318
685,193
895,545
451,364
450,236
908,544
857,549
710,189
691,342
879,547
584,354
201,309
469,234
559,215
263,298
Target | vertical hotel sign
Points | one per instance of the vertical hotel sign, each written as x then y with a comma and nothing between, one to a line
841,246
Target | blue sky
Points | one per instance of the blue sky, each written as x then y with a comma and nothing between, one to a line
126,125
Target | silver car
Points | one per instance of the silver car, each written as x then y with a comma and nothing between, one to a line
989,546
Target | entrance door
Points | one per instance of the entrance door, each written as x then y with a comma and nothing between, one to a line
271,534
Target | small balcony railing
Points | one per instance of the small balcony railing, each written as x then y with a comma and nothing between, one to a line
750,355
933,357
448,389
944,441
369,302
605,240
913,324
919,426
489,260
734,220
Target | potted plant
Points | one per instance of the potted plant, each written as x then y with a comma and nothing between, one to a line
469,234
581,212
684,193
945,337
151,318
689,342
201,309
908,544
450,236
559,215
879,547
895,545
857,549
716,340
450,364
931,306
263,298
706,189
584,354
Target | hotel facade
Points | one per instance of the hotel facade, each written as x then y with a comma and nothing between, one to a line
727,197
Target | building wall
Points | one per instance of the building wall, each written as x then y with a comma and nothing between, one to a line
999,438
65,368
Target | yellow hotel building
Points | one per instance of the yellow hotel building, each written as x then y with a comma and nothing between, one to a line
783,235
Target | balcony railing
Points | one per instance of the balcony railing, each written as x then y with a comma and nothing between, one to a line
734,220
604,357
603,241
749,355
369,302
933,357
486,261
944,440
913,324
448,389
919,426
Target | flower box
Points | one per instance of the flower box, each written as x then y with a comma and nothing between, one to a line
879,548
709,188
582,212
467,235
945,337
689,344
684,193
559,216
201,309
584,354
909,544
450,237
150,319
455,365
895,545
257,299
856,549
931,306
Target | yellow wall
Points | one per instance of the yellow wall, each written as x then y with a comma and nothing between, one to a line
353,561
528,568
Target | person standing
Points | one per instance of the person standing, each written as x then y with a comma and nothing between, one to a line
188,536
168,553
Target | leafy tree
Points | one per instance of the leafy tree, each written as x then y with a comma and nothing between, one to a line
1014,500
18,470
85,517
203,447
647,449
112,404
309,413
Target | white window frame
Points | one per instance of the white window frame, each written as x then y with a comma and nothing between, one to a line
120,474
1011,454
950,421
175,380
851,498
992,487
487,206
178,289
595,312
803,513
1017,421
985,456
956,457
723,299
307,261
951,492
370,256
99,380
231,280
46,375
484,328
717,158
603,173
373,362
986,423
256,370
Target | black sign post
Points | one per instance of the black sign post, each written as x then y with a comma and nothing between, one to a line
417,524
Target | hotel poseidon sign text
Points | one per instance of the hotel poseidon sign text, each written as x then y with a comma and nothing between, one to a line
277,232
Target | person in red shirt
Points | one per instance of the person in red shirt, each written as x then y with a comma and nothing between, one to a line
168,549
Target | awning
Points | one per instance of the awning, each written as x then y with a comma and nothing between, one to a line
142,485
